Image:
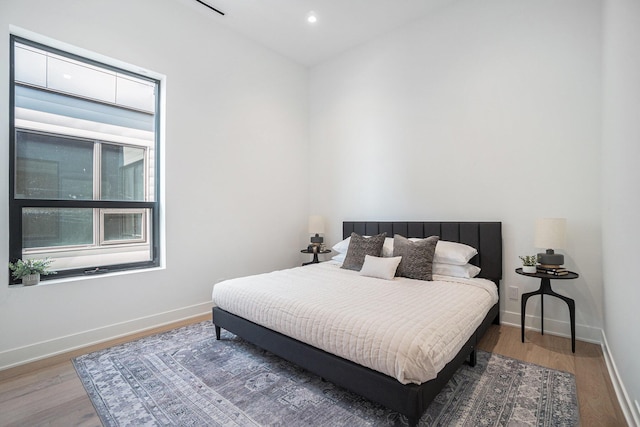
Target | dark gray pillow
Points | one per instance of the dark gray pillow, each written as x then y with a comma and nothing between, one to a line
359,247
417,257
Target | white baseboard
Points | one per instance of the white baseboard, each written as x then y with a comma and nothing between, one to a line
41,350
631,412
553,327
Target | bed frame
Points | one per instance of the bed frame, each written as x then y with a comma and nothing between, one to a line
410,400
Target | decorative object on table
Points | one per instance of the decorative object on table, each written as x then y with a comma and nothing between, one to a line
550,235
529,263
554,270
29,270
316,228
184,377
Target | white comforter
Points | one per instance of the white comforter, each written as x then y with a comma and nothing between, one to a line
407,329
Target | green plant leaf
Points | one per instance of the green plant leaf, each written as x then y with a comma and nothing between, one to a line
22,268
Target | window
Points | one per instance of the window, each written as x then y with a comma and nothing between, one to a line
84,162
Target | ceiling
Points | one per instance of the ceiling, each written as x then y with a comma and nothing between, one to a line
281,25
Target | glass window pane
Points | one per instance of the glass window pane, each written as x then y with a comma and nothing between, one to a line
136,93
122,173
121,226
81,79
46,227
53,167
57,111
30,65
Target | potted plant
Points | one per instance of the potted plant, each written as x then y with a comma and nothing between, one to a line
529,263
29,270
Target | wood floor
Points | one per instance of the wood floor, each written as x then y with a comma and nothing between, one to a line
596,397
49,393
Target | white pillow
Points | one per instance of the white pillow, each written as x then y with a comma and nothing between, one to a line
339,257
387,248
453,253
342,246
382,268
467,271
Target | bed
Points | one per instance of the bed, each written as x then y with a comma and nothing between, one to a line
405,392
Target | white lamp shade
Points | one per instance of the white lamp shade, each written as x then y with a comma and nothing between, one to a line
551,233
316,224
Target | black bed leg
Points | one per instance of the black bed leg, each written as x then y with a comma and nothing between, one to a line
413,422
472,358
217,332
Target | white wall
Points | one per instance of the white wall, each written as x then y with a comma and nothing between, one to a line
482,111
621,191
236,146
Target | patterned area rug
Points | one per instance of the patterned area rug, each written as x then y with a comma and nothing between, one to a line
186,378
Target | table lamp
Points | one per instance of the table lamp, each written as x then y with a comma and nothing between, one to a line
550,235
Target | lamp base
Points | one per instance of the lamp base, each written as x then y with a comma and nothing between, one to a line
317,239
551,258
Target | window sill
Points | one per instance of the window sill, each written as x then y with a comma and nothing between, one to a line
87,277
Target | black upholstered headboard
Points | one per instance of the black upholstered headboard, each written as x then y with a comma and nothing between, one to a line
486,237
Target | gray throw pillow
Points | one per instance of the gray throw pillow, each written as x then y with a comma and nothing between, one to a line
359,247
417,257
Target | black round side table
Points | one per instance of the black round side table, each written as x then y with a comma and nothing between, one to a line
315,255
545,289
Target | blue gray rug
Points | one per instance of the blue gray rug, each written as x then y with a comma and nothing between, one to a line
186,378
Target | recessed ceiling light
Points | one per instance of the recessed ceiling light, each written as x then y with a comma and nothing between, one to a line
312,18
